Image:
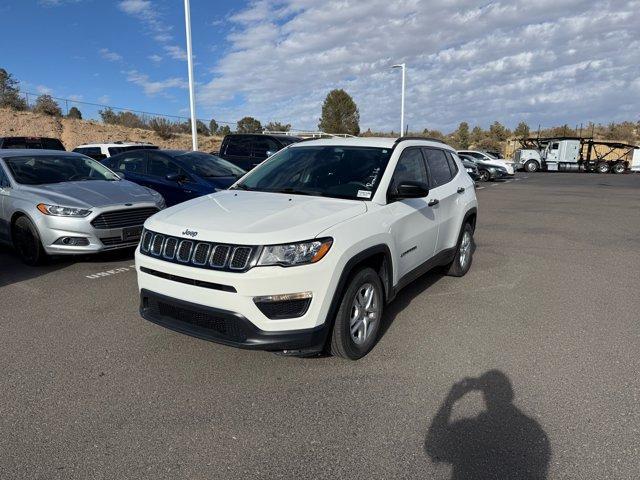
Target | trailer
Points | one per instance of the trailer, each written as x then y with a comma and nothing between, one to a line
577,154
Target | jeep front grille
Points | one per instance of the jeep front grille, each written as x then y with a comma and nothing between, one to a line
237,258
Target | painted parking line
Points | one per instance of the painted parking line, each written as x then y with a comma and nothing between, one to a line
109,273
494,184
517,179
480,188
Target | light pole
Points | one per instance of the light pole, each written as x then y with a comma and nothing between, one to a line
403,66
192,98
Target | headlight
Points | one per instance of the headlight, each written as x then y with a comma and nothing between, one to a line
292,254
62,211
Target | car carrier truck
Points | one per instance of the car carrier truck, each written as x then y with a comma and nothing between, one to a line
576,154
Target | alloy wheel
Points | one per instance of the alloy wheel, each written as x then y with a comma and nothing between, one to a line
365,312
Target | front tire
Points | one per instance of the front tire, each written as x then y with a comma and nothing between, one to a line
26,242
357,323
602,167
531,166
464,253
484,176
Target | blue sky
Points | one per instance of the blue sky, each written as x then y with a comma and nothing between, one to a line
119,53
545,62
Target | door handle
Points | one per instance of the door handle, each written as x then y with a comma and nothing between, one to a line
433,202
460,189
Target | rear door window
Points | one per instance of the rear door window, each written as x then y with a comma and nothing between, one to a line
453,166
439,170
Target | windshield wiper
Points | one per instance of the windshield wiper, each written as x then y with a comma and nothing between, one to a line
240,186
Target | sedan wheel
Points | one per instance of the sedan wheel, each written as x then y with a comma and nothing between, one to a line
484,176
26,242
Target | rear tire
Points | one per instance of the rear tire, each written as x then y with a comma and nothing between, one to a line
464,253
358,320
619,167
26,242
603,167
531,166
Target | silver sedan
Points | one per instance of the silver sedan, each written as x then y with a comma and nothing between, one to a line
58,203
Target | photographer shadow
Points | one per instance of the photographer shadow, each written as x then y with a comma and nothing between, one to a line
500,443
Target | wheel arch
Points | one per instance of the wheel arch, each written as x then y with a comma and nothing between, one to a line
377,257
471,216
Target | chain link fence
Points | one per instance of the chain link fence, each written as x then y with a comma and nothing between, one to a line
126,117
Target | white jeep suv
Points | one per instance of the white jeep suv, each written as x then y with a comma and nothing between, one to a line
303,252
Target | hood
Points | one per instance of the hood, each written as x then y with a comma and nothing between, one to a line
255,218
91,193
493,163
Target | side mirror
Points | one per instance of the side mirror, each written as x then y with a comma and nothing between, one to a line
176,177
410,189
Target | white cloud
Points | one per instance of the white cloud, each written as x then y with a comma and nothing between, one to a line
176,52
155,58
109,55
75,97
545,62
104,99
43,90
149,14
154,87
56,3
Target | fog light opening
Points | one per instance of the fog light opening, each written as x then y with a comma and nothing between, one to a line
72,241
288,305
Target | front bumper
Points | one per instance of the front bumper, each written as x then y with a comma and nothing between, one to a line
224,326
236,291
52,228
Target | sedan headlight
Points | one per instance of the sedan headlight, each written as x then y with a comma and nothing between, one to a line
59,211
293,254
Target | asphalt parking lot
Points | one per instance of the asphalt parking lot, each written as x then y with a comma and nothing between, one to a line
550,308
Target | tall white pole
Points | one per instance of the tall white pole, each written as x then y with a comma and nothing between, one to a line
403,66
404,69
192,97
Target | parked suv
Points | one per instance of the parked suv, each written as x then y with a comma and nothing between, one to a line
247,150
305,251
100,151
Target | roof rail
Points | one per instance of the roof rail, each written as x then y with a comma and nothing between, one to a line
430,139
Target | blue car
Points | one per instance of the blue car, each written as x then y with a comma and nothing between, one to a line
178,175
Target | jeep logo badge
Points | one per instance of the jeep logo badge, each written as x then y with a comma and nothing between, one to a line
189,233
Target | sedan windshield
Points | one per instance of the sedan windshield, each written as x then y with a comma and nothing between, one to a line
327,171
209,166
43,169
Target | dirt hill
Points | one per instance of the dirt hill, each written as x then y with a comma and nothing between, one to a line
76,132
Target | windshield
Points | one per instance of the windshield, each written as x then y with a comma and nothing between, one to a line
327,171
43,169
208,166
